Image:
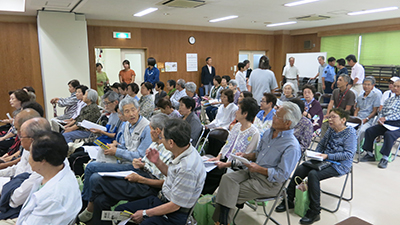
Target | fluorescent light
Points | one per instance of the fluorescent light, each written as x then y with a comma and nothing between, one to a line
222,19
12,5
300,2
372,11
281,24
145,12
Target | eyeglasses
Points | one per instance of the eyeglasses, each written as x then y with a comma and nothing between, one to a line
332,117
106,103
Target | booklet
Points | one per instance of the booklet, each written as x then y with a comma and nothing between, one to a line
241,159
314,155
122,174
89,125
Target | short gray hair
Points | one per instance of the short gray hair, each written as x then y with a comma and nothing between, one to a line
127,101
371,79
158,121
36,125
190,86
92,95
345,77
234,83
291,85
111,96
292,113
322,57
181,82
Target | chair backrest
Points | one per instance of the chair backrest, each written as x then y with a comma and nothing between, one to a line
216,139
355,120
322,97
317,95
201,135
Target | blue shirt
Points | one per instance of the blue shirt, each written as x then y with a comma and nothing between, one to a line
152,76
340,147
329,73
367,104
279,155
145,141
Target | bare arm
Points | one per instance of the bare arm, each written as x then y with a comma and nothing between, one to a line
330,106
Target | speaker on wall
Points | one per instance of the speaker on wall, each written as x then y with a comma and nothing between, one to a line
307,44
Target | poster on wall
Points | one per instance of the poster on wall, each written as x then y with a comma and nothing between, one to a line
191,62
171,67
160,66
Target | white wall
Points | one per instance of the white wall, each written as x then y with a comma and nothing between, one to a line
111,61
64,55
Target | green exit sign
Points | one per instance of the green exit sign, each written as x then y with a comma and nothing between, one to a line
122,35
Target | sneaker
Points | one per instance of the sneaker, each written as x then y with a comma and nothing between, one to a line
383,164
367,158
85,216
282,207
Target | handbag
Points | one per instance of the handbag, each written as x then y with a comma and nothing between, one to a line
317,165
302,203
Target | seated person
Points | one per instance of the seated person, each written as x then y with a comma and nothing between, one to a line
144,182
342,97
390,115
166,107
179,93
49,202
288,92
132,90
242,95
215,94
243,137
183,183
263,120
313,109
123,89
339,146
135,140
389,93
236,93
80,92
115,87
31,92
271,166
186,107
226,111
70,104
367,106
303,131
170,88
146,104
191,92
90,112
161,93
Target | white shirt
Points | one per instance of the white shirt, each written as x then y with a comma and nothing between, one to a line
57,202
357,71
21,167
209,68
176,97
225,116
290,72
240,77
387,94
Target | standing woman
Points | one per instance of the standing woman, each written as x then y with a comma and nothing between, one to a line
102,79
151,74
146,103
127,75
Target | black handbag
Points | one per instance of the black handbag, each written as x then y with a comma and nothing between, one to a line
317,165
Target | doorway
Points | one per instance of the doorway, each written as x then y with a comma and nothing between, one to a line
252,56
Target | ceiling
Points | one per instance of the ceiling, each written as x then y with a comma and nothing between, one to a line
253,14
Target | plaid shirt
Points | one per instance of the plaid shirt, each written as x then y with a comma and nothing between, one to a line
391,108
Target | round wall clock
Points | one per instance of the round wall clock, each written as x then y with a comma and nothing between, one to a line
192,40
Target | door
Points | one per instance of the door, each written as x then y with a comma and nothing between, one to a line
252,56
136,58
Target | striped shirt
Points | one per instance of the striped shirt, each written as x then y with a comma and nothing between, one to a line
165,156
79,105
176,97
70,105
185,179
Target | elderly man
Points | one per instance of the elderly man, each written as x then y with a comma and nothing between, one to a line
135,140
273,162
342,97
291,73
389,93
390,115
357,73
183,184
179,93
321,67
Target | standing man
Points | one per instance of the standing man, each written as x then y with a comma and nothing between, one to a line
291,73
321,61
207,75
357,73
328,76
341,65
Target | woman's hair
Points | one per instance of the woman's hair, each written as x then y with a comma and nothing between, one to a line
134,87
126,62
92,95
264,63
83,88
229,94
241,65
250,106
160,84
20,95
218,79
270,98
163,103
50,146
151,61
190,86
148,86
233,82
308,86
189,102
341,112
99,64
29,89
227,78
74,83
291,86
171,83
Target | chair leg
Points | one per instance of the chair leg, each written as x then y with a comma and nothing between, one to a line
341,194
234,217
268,215
287,206
397,151
253,207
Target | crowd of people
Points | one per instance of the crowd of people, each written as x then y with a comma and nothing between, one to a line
154,137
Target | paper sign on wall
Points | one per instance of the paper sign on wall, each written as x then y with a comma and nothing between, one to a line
191,62
171,67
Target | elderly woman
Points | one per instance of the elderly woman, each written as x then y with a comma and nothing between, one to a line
263,120
243,137
226,112
303,131
166,107
55,198
312,109
288,92
215,94
186,107
236,93
191,92
90,112
338,146
146,103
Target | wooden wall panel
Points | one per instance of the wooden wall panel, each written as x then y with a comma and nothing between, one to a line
298,43
20,61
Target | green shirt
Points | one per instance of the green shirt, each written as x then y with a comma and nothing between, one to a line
101,77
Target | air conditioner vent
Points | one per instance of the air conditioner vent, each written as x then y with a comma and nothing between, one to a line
312,18
182,3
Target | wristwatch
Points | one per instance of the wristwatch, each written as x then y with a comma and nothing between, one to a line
145,216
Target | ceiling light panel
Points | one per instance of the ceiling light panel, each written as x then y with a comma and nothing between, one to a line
223,18
373,11
145,12
299,2
12,5
281,24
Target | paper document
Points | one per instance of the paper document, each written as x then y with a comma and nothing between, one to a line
241,159
92,151
123,222
314,155
353,125
116,174
390,127
89,125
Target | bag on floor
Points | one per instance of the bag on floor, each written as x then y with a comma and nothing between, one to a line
204,210
302,201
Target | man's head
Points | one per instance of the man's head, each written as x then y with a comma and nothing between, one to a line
122,88
23,116
34,105
208,61
286,117
130,109
180,85
170,85
396,87
110,100
341,63
115,87
241,66
351,60
369,83
176,134
291,61
391,82
332,61
321,60
48,147
268,101
30,129
342,81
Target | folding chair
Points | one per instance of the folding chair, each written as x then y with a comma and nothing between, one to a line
356,120
219,137
317,95
322,97
201,135
397,149
281,193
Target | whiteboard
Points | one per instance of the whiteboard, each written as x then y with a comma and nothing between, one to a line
307,63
